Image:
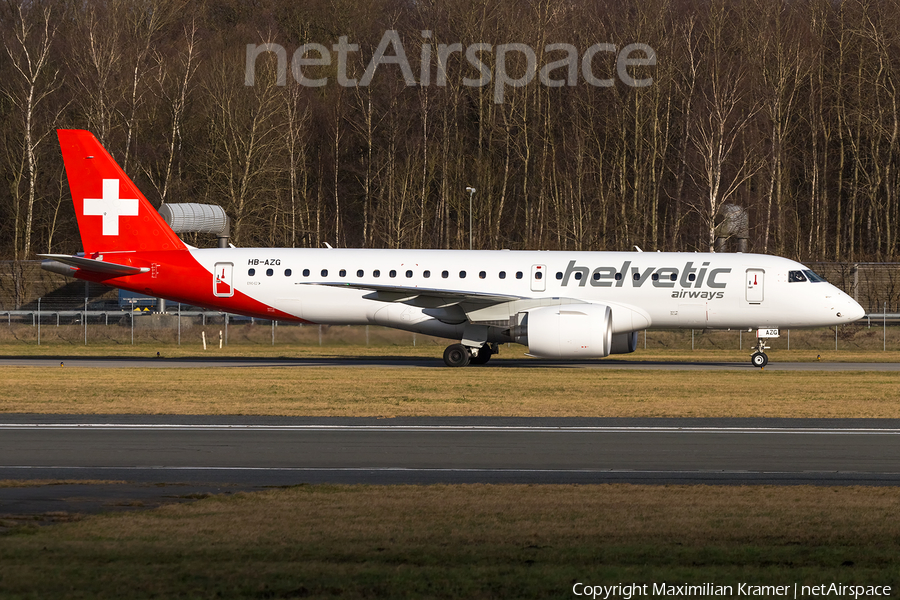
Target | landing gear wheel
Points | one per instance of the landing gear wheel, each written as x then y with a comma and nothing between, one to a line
759,359
456,355
484,355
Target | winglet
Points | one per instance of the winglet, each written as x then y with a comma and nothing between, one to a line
113,215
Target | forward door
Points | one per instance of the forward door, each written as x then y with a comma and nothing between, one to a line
755,280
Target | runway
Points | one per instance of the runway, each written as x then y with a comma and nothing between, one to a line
145,461
254,451
113,362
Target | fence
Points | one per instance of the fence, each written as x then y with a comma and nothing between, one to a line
72,311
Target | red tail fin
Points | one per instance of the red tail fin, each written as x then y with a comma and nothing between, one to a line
112,213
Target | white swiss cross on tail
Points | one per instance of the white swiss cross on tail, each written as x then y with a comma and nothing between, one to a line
111,207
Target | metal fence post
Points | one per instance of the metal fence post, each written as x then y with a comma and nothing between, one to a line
39,321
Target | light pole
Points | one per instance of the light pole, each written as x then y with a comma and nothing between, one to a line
471,191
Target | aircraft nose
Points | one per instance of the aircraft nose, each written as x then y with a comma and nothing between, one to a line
852,311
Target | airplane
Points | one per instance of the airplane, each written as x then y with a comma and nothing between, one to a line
560,304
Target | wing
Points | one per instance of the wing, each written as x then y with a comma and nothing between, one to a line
425,297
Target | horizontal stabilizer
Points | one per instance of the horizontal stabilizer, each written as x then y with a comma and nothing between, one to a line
92,266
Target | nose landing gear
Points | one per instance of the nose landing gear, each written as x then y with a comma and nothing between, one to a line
759,357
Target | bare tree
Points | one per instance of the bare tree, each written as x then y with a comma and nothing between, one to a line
721,133
296,140
243,128
176,104
29,54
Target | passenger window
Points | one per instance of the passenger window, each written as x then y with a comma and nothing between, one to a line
559,274
618,277
270,272
578,275
462,274
673,277
636,277
692,277
392,273
324,272
287,272
538,275
502,275
408,274
359,273
482,275
342,272
251,272
306,272
445,274
655,277
426,274
376,273
596,276
519,275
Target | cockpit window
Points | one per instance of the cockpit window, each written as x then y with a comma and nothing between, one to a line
814,277
805,275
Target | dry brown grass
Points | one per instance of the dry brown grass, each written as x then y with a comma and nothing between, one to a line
476,541
387,392
243,339
23,483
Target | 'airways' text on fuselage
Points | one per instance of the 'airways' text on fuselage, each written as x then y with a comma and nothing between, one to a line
661,277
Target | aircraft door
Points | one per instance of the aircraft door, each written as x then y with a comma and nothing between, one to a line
222,280
538,278
755,279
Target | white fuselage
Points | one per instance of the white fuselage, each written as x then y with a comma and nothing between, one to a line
643,289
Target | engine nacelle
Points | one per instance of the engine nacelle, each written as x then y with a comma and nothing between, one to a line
566,331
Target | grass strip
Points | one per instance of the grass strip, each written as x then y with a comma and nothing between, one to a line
453,541
27,483
432,350
384,392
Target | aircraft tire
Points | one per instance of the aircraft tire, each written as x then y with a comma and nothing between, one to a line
456,355
484,355
759,359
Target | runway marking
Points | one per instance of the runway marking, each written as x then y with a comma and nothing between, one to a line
442,428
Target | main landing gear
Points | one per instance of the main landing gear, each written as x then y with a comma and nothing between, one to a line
458,355
759,358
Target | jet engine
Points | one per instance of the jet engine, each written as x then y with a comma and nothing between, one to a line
565,331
